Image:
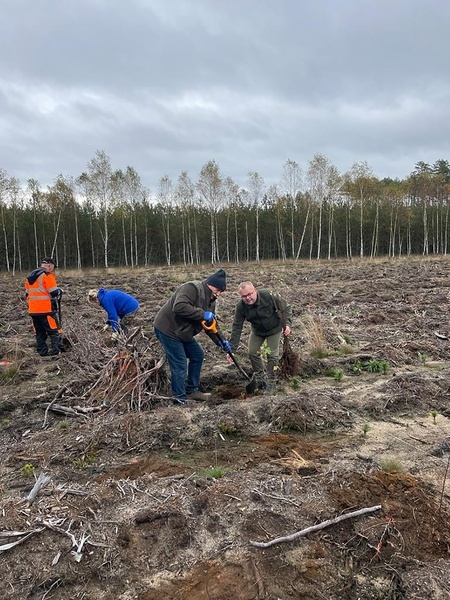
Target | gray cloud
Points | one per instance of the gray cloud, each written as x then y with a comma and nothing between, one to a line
165,86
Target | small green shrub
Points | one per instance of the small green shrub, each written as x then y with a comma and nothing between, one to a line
376,366
365,429
391,465
64,424
358,367
227,429
86,460
28,470
265,351
337,374
423,358
345,349
213,472
295,382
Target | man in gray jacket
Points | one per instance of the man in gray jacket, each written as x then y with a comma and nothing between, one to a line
270,317
176,325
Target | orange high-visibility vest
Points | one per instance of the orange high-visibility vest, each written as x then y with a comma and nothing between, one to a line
39,285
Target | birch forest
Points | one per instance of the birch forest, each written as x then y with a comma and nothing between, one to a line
107,218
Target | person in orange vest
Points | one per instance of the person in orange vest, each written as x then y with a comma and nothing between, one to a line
43,295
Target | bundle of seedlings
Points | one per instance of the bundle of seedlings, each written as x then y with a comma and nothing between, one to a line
289,364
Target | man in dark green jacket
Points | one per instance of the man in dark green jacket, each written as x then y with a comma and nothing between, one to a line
270,317
176,325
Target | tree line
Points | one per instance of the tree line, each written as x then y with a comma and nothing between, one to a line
106,217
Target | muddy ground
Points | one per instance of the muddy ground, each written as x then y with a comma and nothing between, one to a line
148,501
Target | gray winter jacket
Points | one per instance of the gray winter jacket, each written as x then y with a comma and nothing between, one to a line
181,316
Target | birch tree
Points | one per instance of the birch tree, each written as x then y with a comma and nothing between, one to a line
165,197
4,189
323,182
232,199
278,205
185,196
210,187
359,185
99,186
36,194
291,185
133,190
255,194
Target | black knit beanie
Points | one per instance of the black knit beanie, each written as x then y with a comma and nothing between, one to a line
218,280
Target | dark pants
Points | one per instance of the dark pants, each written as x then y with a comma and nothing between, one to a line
47,326
126,321
185,376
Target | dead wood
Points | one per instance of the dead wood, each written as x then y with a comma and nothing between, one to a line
17,536
58,395
41,482
313,528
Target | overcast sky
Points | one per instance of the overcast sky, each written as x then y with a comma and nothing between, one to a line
166,85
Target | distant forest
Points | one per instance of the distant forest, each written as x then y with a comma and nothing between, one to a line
107,218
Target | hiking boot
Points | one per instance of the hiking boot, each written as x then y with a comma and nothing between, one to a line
199,396
180,401
261,384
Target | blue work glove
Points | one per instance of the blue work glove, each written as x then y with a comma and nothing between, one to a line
209,317
225,345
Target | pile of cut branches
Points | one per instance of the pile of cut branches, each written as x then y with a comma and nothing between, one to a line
123,374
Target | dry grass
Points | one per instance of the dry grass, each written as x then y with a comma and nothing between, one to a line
314,331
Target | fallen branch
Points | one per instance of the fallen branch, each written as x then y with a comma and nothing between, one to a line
303,532
18,536
75,411
41,482
77,546
58,395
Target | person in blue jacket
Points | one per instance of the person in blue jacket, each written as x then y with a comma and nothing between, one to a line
121,308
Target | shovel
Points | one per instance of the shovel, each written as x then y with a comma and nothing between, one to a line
64,342
213,331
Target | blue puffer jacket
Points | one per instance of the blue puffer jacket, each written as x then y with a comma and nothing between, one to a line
117,304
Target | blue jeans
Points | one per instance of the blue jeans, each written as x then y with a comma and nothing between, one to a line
185,362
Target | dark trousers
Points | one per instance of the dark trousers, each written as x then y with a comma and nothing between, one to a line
47,326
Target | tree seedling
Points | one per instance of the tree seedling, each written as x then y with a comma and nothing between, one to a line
337,374
357,367
86,460
28,470
265,351
295,382
434,415
423,358
365,429
376,366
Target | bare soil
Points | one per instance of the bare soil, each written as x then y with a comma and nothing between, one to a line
148,501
